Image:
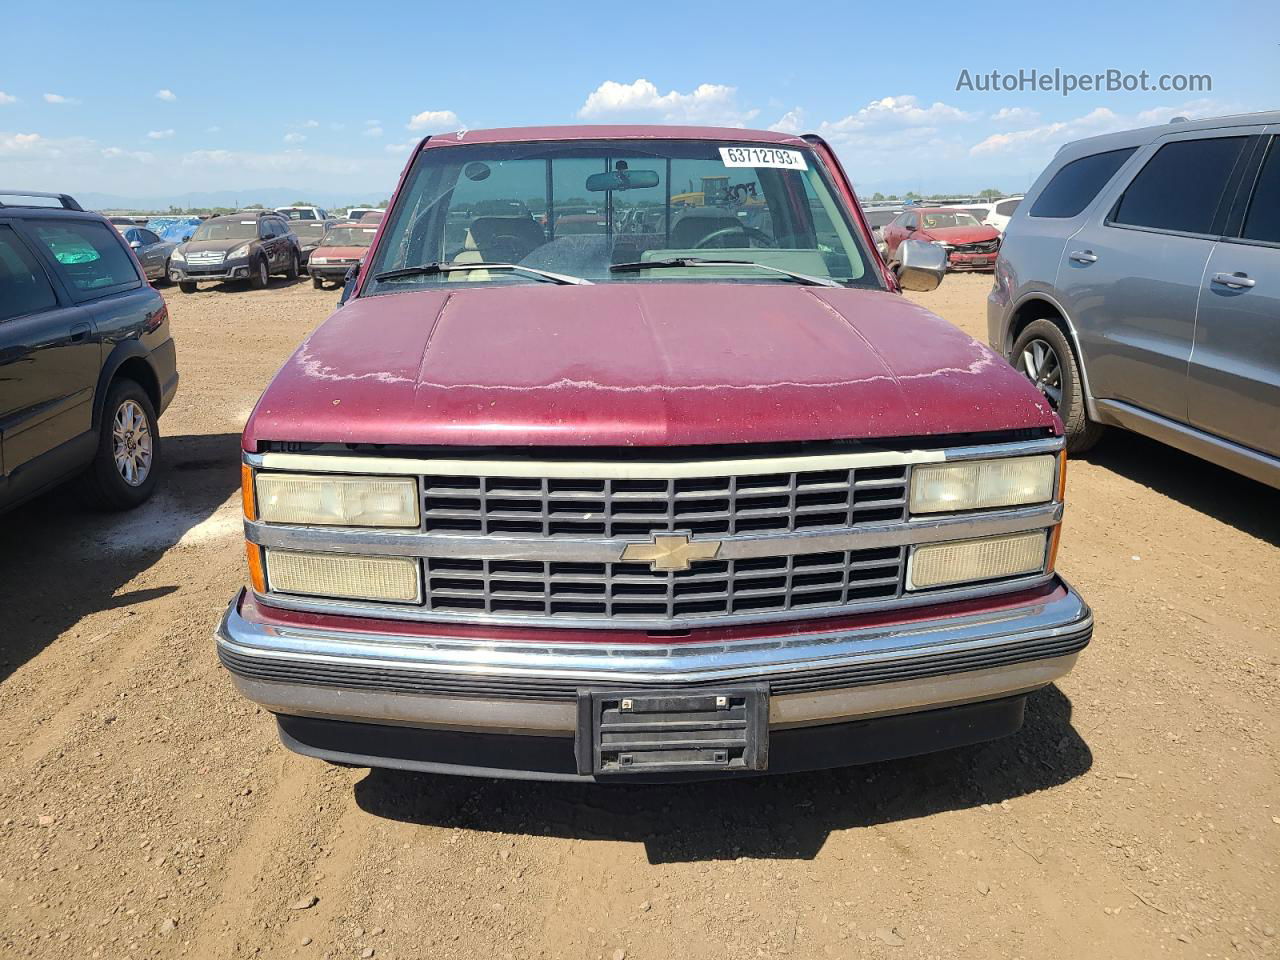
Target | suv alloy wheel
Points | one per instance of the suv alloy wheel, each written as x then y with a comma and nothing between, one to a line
261,275
1044,356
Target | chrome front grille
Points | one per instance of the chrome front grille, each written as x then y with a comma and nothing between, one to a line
206,257
622,591
702,506
981,246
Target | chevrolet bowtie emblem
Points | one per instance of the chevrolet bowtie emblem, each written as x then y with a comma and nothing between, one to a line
670,551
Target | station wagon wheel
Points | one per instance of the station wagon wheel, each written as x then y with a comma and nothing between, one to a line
132,445
1044,356
123,472
261,275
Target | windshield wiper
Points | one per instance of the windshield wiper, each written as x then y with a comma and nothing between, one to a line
702,262
429,269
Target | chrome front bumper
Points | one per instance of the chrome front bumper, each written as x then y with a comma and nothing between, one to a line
527,687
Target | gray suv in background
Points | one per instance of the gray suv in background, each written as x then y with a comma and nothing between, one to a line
1138,286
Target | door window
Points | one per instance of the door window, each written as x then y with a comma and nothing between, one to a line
1076,184
1262,222
91,256
147,237
1006,207
24,289
1181,187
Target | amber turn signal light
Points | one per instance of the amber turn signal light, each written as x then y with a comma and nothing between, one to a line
257,578
246,492
1056,535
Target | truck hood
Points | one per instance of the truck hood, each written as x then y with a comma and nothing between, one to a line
341,253
665,364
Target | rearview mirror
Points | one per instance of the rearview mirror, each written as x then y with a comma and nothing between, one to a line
921,266
622,180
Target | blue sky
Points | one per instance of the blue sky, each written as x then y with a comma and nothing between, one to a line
123,98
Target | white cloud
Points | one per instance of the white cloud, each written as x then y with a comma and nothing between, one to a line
433,121
790,122
298,162
710,103
1015,116
168,96
311,123
7,98
1041,141
889,113
161,134
59,98
295,138
33,146
372,131
117,153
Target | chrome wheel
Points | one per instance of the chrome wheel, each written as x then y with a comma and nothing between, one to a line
1043,367
264,277
132,445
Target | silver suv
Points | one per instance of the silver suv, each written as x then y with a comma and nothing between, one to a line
1138,286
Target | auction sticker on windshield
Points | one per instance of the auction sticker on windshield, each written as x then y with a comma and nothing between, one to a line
763,157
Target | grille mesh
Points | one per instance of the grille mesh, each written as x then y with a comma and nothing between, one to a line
622,590
774,503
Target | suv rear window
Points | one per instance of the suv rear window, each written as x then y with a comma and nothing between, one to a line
1006,207
91,256
1075,185
1263,219
24,289
1181,187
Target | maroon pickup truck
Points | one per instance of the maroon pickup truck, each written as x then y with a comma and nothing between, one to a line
710,500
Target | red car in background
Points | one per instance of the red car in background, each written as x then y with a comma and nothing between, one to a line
343,247
969,244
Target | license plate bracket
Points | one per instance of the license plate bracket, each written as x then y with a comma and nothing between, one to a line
638,732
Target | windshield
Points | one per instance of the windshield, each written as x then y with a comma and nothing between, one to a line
227,230
577,207
350,236
311,229
297,213
933,221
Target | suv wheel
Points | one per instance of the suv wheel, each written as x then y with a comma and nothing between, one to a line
1044,356
317,282
261,274
295,267
187,286
123,472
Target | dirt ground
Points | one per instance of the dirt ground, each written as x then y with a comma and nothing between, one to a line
146,810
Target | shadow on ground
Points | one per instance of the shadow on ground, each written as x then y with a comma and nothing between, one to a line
1245,504
783,817
60,560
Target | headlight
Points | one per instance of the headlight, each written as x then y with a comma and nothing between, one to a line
391,579
315,259
177,254
339,501
979,484
963,561
240,251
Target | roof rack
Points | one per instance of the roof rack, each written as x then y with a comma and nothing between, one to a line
68,202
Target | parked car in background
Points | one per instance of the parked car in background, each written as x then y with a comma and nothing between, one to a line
310,233
878,218
152,251
1000,211
175,229
371,216
251,245
87,364
1138,286
344,246
355,213
968,244
302,213
707,501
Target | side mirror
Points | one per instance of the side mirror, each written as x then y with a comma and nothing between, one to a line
349,285
910,228
921,266
135,244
